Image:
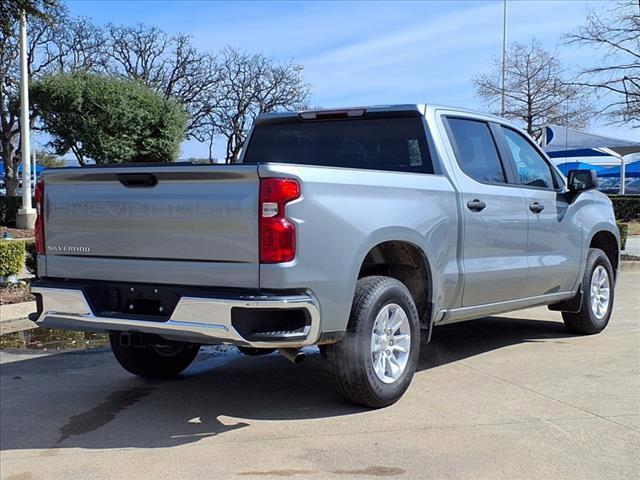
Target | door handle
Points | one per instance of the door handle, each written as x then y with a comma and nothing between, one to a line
476,205
536,207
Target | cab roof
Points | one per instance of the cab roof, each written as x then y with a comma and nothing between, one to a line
409,109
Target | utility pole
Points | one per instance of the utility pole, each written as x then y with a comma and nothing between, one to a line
504,53
26,217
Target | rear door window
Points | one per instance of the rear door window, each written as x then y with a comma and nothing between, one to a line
475,150
394,144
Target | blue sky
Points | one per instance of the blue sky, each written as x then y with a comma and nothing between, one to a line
364,53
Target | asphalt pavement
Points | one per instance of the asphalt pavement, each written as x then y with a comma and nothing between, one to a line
508,397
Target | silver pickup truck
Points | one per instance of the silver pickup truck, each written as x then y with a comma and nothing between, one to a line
357,230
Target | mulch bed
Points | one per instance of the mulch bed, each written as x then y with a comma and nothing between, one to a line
15,293
633,227
16,233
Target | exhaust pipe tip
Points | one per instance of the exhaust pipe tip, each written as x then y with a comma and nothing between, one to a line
294,355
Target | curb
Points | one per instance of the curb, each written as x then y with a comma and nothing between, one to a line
16,311
630,266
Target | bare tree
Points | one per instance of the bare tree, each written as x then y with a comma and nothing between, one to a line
536,91
56,43
75,45
168,64
12,10
250,84
222,95
617,74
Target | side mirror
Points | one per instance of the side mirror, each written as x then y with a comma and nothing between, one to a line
581,180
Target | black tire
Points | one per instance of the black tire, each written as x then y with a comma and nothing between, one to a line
350,360
152,360
323,351
586,322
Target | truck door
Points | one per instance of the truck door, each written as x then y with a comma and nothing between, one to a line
494,216
555,241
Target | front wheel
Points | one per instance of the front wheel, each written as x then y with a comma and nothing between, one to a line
374,363
152,359
597,297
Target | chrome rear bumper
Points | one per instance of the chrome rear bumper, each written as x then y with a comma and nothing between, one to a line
195,319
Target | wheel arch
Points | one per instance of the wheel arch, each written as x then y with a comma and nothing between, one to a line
609,243
404,258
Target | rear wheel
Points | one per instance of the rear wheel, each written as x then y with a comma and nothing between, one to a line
152,358
597,297
374,363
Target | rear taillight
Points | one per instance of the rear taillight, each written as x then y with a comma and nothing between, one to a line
277,233
39,228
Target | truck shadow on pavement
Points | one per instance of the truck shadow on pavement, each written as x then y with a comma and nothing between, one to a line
462,340
85,400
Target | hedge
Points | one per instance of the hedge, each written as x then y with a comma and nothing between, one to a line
623,228
626,207
31,257
9,210
11,257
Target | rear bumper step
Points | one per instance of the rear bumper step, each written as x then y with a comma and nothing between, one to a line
205,320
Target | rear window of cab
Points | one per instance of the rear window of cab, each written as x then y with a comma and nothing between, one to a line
391,144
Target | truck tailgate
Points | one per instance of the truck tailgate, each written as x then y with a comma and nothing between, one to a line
190,224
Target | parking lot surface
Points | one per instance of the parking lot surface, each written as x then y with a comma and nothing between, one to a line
513,396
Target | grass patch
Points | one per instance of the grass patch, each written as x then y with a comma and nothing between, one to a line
53,339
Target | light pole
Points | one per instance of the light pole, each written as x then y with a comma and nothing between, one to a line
26,217
504,54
